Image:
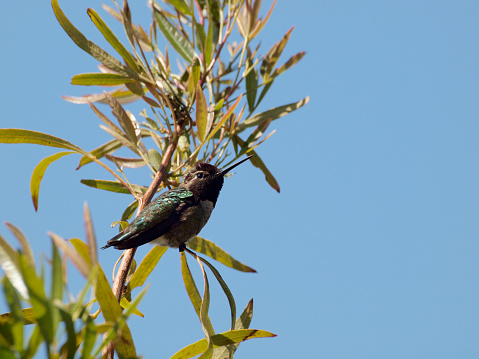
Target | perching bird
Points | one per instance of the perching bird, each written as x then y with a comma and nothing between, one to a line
178,215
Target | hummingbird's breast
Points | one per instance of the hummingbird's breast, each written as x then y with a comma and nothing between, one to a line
192,220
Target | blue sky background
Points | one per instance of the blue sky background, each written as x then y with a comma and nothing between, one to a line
371,249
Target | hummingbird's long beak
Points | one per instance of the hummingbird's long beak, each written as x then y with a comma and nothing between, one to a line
225,171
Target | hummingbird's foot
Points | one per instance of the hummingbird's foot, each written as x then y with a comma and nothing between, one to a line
182,247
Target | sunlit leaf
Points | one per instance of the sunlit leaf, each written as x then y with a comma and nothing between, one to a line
210,249
226,338
113,40
38,173
16,314
100,79
258,162
10,266
174,37
201,113
112,186
41,306
27,250
193,293
81,41
223,119
90,234
125,304
181,6
111,311
146,266
78,261
127,162
243,322
272,114
225,288
273,55
123,118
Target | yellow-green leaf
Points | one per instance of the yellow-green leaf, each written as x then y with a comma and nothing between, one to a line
38,173
210,249
272,114
112,39
201,113
112,186
27,250
78,261
146,266
100,79
226,338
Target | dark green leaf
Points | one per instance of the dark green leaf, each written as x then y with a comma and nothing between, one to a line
70,331
251,86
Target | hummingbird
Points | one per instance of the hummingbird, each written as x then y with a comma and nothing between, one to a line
178,215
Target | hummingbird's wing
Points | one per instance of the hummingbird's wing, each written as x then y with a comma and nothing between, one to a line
155,220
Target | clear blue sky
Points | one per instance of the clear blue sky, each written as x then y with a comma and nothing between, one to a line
371,249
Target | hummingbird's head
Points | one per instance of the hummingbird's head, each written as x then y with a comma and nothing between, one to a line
206,180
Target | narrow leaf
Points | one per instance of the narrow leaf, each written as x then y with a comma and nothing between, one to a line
100,79
223,119
69,252
272,114
90,234
38,173
123,118
210,249
113,40
27,250
226,338
193,293
258,162
126,304
181,44
9,264
201,113
146,266
16,317
81,41
112,186
101,151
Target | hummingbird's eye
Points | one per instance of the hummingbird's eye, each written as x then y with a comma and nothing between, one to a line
199,175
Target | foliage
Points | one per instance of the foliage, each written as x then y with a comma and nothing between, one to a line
213,73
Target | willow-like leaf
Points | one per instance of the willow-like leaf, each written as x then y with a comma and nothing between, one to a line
201,113
10,266
71,340
38,173
146,266
193,293
111,311
27,250
113,40
124,303
89,47
251,86
226,338
78,261
243,322
16,315
272,114
112,186
181,44
180,5
100,79
273,55
27,313
127,162
41,306
210,249
90,234
123,118
100,152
